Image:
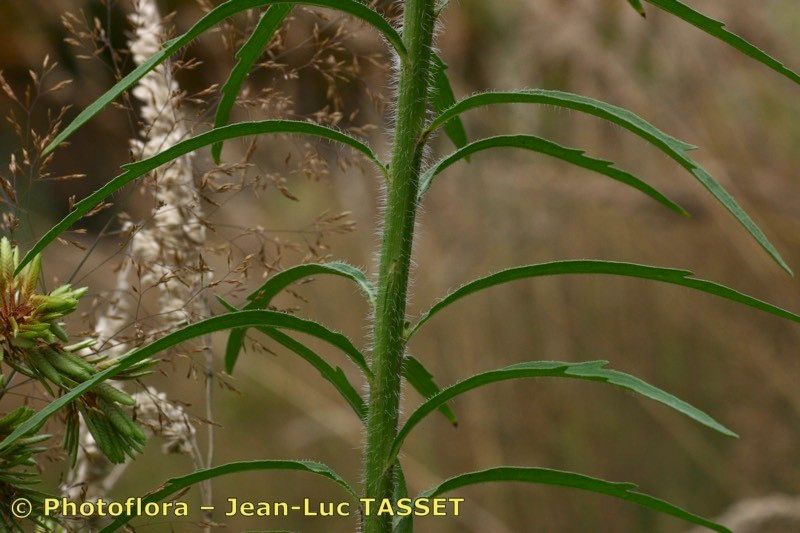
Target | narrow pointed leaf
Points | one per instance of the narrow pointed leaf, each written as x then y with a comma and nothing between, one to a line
335,376
614,268
245,129
717,29
238,319
246,57
178,484
559,478
442,97
333,338
261,297
414,372
233,348
401,524
638,7
422,380
590,371
211,19
617,115
543,146
677,150
133,171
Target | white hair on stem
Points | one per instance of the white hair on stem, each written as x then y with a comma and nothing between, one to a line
169,259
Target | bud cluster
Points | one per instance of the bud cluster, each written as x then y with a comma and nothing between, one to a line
33,341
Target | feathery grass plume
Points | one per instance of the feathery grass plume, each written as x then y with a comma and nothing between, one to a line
167,421
34,342
18,471
166,254
169,249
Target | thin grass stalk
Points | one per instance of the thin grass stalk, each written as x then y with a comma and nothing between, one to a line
395,256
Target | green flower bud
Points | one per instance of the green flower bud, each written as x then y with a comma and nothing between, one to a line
58,331
60,291
7,265
30,276
78,346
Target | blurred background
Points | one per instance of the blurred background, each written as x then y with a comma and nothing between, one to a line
293,200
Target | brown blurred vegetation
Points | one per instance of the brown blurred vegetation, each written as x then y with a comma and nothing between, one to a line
507,208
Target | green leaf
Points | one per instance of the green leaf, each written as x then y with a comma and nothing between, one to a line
717,29
245,129
211,19
543,146
238,319
261,297
614,268
178,484
422,380
335,376
401,524
617,115
590,371
319,331
413,370
546,476
246,57
233,348
135,170
442,98
637,5
671,146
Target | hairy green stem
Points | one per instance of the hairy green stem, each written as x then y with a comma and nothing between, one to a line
398,231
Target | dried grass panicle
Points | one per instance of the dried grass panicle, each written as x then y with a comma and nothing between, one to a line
166,420
168,250
33,129
165,255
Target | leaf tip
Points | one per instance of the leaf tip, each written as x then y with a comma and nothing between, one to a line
779,259
216,153
727,432
49,148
